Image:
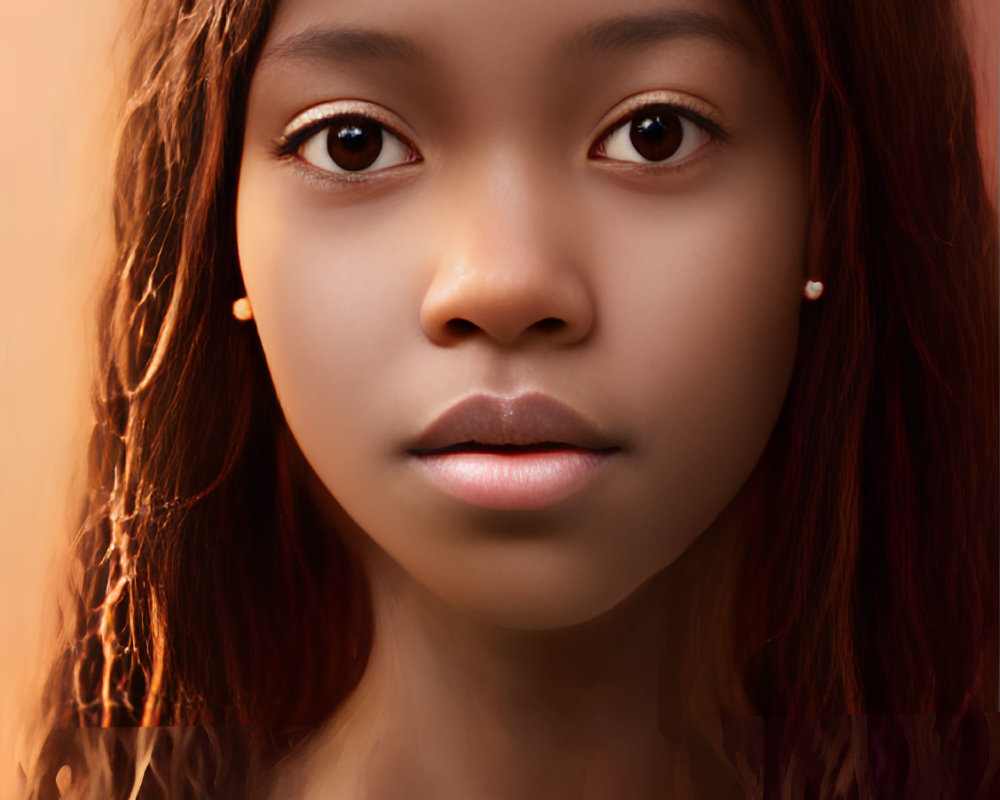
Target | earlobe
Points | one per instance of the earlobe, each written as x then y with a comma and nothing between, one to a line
813,290
242,310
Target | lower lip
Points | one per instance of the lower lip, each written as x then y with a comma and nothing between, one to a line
511,481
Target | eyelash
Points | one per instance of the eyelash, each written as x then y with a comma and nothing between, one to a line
291,144
712,130
302,130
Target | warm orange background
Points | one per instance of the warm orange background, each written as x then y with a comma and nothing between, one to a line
57,112
57,73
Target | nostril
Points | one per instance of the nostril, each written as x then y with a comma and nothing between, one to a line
550,324
460,327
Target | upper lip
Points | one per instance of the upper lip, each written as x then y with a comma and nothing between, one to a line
527,419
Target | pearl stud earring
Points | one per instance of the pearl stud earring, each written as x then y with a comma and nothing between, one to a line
813,290
242,310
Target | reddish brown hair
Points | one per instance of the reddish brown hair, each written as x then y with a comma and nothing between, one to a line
877,499
869,583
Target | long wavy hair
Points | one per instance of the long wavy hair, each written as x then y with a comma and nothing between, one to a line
215,616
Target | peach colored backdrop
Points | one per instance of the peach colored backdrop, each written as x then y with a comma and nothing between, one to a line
56,89
57,76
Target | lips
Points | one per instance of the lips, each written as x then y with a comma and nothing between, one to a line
526,421
520,453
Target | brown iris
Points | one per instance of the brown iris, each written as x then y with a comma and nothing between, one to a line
656,133
354,143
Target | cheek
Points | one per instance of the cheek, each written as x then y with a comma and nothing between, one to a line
332,307
703,310
333,311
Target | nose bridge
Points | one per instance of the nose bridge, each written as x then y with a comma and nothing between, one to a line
504,220
505,268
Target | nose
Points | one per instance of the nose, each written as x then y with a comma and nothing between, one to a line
506,269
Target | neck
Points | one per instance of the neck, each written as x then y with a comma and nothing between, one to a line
450,706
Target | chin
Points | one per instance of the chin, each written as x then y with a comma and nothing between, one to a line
538,593
551,614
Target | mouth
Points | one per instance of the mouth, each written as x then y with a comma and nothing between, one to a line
525,452
502,449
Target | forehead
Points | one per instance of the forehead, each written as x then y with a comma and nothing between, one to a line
497,35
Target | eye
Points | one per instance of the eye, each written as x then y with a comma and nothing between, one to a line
354,143
658,133
345,143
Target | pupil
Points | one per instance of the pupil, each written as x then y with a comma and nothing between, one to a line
657,135
356,144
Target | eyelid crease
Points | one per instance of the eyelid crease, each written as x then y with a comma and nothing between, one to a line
698,112
309,119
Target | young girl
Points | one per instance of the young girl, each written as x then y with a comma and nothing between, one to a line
514,400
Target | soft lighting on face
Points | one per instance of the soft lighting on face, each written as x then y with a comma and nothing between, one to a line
573,216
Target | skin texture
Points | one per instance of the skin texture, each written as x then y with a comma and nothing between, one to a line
512,248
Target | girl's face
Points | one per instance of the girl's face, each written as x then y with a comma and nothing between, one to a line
586,218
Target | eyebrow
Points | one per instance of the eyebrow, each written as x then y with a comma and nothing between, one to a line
614,35
637,31
346,45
